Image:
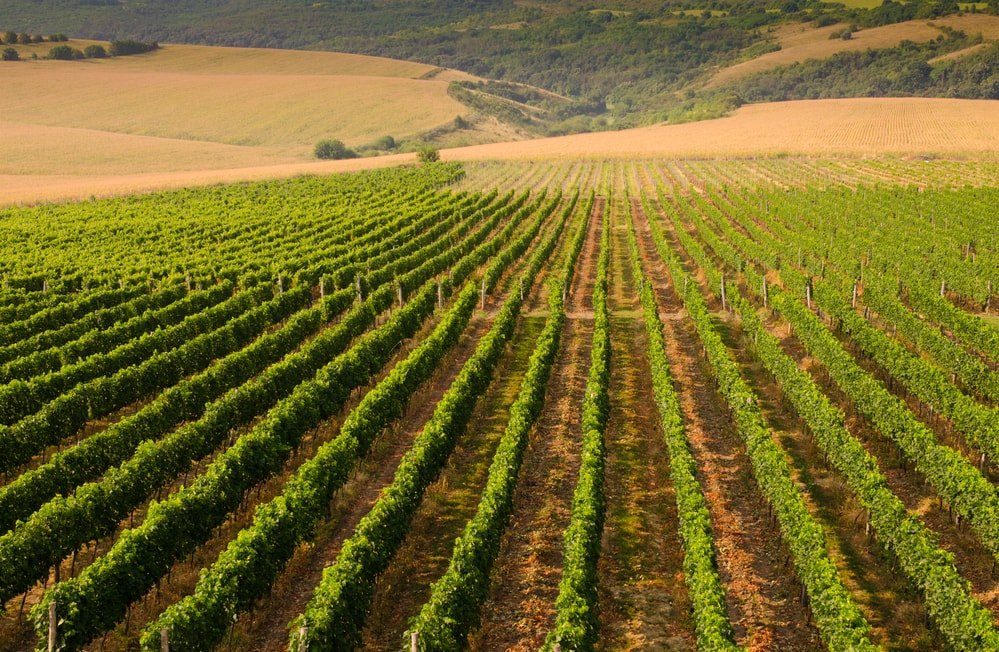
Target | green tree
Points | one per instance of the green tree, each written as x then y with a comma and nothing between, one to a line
65,53
333,149
95,51
10,54
428,154
386,143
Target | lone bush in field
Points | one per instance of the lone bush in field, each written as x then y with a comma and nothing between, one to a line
95,52
10,54
333,149
386,143
428,154
126,47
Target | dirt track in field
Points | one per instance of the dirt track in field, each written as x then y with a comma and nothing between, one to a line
643,599
763,598
520,608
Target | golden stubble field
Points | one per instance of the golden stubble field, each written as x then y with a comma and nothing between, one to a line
194,115
185,108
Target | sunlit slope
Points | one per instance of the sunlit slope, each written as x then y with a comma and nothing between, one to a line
850,127
277,104
899,127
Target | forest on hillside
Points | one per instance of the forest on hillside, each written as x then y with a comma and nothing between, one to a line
622,64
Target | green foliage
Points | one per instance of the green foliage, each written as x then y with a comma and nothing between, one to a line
65,53
339,607
454,607
333,149
902,71
428,154
10,54
95,51
386,143
126,47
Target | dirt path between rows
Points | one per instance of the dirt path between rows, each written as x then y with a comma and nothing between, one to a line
520,608
643,600
762,595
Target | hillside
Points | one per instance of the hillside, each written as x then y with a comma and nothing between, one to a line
605,65
898,127
798,43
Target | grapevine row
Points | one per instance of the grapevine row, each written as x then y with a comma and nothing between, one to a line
455,604
839,620
576,615
338,609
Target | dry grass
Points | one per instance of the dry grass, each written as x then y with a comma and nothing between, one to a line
203,59
192,115
260,110
853,127
195,108
801,42
864,127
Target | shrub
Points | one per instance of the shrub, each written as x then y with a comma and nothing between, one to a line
10,54
386,143
10,38
65,53
428,154
333,149
126,47
95,52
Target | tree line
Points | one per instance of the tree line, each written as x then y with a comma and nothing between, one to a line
66,52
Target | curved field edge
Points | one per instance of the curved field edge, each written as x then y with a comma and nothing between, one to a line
851,128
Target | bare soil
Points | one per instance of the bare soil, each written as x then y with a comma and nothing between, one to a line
520,608
643,598
763,596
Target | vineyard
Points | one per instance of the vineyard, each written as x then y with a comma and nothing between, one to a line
651,404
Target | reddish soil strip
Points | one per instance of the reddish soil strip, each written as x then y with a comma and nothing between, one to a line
449,503
266,629
521,606
643,599
763,595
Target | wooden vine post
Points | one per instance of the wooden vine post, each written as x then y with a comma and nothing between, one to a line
52,626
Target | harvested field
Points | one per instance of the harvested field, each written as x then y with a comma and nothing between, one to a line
866,127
